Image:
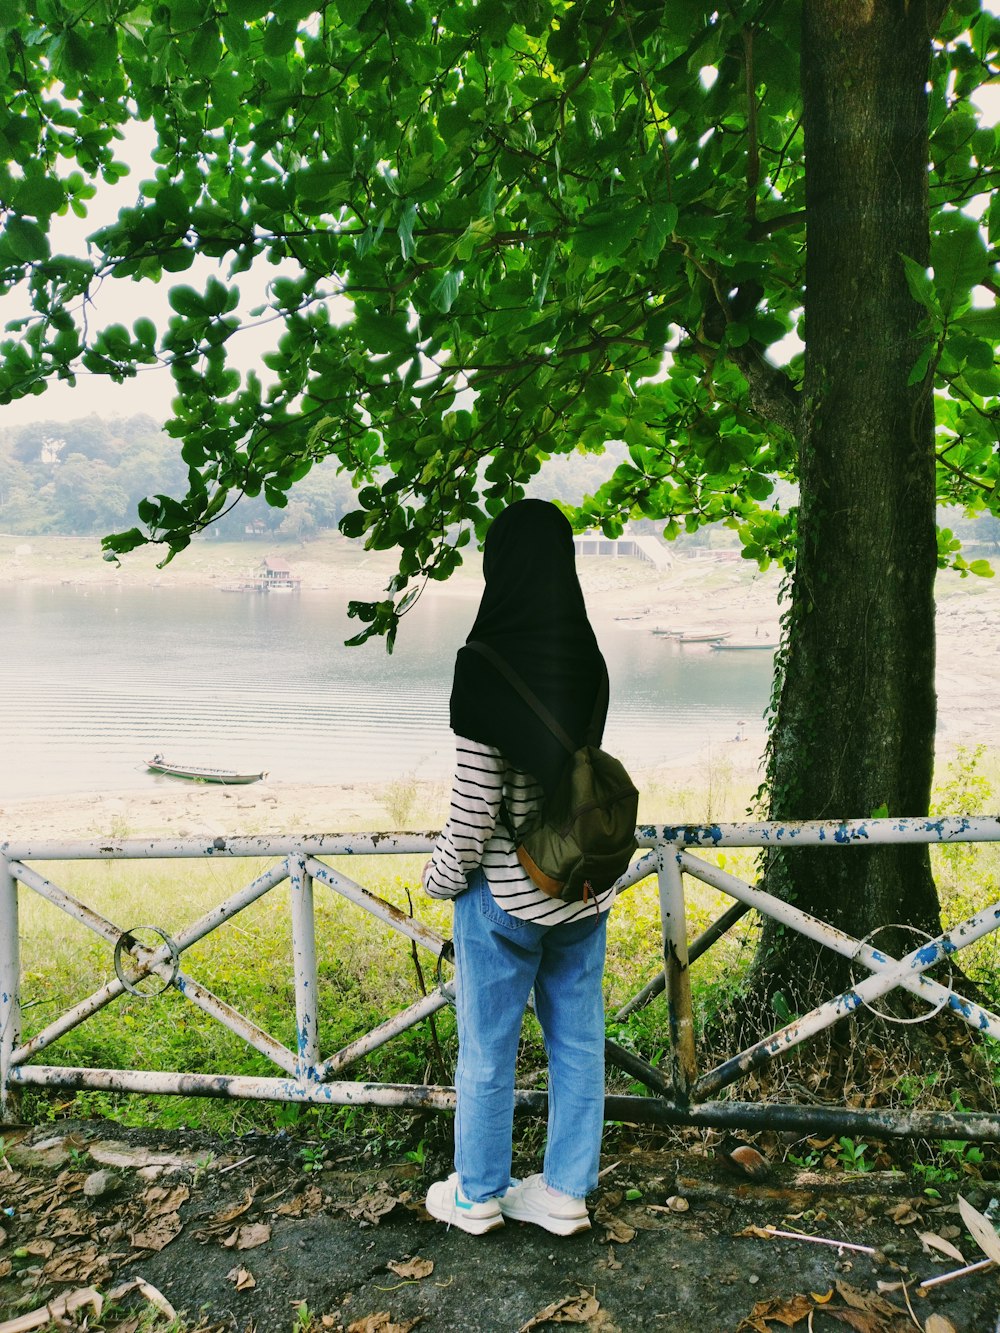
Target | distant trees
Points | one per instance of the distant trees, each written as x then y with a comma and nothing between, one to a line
83,477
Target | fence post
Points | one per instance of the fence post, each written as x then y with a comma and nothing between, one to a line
304,955
683,1068
10,990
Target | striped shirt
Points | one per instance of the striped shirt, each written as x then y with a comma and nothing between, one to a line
475,835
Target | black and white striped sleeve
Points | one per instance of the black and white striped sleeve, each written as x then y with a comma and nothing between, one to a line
475,806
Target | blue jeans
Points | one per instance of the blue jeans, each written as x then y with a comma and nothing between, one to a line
499,959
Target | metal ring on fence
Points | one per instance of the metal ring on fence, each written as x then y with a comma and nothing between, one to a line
126,941
447,955
893,1018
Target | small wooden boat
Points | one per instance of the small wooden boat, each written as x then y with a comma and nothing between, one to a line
196,773
712,636
747,645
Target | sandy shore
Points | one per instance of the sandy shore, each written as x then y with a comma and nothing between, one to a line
713,590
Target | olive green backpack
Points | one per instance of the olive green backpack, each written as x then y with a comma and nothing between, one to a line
584,836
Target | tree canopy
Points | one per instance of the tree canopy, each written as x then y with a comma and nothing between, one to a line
500,232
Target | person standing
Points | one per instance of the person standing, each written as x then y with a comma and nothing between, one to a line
510,937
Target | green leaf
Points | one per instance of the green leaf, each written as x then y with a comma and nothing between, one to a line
920,283
919,372
984,323
206,50
383,333
959,260
172,202
26,239
405,230
39,196
445,291
351,11
186,301
280,37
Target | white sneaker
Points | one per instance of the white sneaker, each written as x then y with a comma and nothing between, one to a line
531,1200
447,1203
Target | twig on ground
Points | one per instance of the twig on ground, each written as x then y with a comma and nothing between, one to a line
979,1267
820,1240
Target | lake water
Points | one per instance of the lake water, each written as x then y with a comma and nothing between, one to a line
94,681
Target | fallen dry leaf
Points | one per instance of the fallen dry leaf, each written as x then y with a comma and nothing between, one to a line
868,1302
372,1207
570,1310
149,1293
248,1236
610,1263
783,1310
69,1222
902,1214
981,1230
382,1322
243,1279
304,1204
859,1320
42,1248
932,1241
411,1268
936,1323
619,1231
159,1200
231,1213
159,1233
78,1264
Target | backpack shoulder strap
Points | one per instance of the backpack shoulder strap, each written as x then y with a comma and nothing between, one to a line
526,693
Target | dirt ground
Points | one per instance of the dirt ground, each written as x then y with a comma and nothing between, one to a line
239,1236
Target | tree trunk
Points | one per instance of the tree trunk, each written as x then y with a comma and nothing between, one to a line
854,729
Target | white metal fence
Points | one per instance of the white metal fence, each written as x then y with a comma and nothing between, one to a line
679,1093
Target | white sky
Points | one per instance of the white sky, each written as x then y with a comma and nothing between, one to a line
124,301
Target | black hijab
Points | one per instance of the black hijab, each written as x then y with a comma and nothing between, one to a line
532,613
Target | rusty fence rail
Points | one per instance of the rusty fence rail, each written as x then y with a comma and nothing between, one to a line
677,1092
